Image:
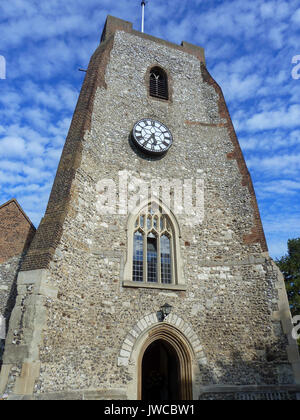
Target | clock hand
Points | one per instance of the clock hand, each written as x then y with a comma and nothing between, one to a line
153,138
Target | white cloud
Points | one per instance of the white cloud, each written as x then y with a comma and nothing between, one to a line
248,46
277,118
277,35
12,147
283,223
240,88
279,227
277,186
9,179
270,141
296,17
288,164
60,97
277,246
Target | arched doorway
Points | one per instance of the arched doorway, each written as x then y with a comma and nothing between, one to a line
160,372
165,366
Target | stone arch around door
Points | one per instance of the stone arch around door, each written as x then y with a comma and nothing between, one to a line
178,336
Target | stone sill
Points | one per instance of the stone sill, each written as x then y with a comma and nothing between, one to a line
129,283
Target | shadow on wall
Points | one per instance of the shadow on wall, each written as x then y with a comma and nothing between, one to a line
12,295
268,376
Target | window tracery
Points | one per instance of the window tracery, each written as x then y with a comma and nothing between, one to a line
153,252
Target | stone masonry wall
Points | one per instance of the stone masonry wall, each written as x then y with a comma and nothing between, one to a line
16,232
231,282
8,289
229,300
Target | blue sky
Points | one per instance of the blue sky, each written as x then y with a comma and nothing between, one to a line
249,49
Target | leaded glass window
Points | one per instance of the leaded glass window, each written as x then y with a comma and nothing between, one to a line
152,258
165,255
153,248
138,253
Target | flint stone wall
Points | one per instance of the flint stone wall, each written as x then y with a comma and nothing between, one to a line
16,233
229,305
231,284
8,292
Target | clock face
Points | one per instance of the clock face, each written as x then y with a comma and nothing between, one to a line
152,136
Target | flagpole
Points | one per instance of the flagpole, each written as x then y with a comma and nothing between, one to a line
143,14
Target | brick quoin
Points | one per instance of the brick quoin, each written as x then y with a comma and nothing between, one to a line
257,233
50,229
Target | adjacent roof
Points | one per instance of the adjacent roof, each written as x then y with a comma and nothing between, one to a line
14,200
16,230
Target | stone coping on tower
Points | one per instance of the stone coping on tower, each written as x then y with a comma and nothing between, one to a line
114,24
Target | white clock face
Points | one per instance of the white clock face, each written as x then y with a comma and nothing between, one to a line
152,136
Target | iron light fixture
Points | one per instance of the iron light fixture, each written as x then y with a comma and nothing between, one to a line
164,312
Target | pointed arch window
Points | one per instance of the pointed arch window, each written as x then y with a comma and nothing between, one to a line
153,248
138,256
158,87
152,275
165,258
153,253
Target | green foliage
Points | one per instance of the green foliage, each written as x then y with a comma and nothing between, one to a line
290,268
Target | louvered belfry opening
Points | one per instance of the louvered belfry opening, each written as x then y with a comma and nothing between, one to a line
158,83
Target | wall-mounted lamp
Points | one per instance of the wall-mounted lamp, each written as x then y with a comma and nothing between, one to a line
164,311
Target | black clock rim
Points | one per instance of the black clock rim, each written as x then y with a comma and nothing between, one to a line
144,149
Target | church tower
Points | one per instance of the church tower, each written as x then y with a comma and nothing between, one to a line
149,275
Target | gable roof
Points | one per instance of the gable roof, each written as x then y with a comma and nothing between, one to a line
14,200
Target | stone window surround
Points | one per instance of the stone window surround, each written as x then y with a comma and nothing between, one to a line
169,83
182,338
163,77
178,283
161,228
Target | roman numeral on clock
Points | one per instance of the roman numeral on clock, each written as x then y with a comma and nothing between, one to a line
152,136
